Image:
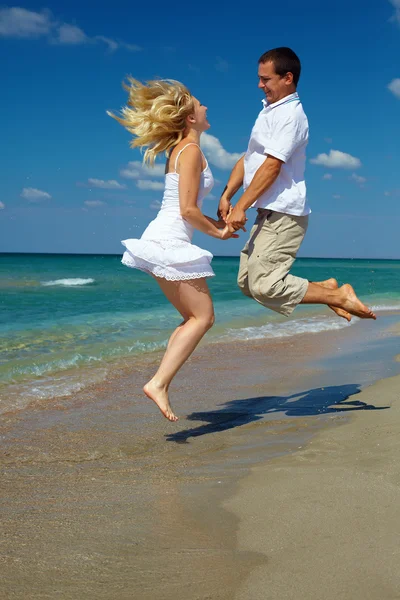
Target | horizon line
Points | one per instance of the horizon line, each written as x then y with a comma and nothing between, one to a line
215,255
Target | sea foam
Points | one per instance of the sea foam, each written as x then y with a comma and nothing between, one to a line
68,282
287,329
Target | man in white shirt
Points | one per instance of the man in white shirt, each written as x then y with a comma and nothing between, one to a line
272,175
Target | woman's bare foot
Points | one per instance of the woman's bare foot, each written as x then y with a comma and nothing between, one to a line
352,304
332,284
159,395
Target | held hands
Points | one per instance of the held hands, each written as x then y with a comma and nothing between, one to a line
225,231
230,219
236,218
223,208
220,224
228,232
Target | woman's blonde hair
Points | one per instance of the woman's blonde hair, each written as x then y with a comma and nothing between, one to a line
156,114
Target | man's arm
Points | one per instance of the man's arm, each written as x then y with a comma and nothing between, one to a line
265,176
234,183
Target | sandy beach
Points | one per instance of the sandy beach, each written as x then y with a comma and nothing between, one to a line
326,517
279,481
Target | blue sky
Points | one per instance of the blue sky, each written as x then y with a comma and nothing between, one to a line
70,182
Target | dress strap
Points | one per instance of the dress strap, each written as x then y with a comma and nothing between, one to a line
180,152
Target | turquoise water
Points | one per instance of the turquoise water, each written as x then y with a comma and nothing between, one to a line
65,319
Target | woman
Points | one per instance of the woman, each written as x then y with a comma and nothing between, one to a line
165,118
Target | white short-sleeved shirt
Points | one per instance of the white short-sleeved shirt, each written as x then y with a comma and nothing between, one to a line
281,130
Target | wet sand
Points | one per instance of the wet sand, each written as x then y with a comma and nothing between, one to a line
103,498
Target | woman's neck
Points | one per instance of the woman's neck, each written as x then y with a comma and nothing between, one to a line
193,136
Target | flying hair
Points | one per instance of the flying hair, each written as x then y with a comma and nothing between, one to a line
155,115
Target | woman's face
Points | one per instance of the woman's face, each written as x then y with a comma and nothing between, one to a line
200,122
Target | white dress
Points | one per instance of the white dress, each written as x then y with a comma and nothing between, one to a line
165,248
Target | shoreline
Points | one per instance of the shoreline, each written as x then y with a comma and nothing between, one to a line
106,494
51,388
71,322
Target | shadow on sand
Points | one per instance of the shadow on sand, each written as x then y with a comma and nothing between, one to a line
318,401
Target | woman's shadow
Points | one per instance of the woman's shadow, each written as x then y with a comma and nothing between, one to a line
318,401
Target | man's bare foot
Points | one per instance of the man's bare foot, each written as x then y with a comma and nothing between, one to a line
332,284
352,304
159,395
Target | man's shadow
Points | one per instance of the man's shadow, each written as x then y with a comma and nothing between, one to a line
318,401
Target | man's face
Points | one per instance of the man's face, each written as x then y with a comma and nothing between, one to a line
274,86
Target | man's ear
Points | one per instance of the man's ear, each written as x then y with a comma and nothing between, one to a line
289,78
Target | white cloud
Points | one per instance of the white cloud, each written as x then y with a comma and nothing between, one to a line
358,179
394,87
131,47
394,193
111,184
21,23
216,154
213,149
137,170
142,173
94,203
337,160
69,34
396,15
336,196
114,44
34,195
2,205
155,205
130,172
327,176
146,184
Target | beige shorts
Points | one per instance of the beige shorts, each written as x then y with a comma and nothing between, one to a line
267,258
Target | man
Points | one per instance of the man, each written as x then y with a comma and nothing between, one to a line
272,175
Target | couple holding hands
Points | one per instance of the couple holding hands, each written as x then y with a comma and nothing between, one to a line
165,118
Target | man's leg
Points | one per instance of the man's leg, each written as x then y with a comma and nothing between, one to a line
243,275
270,258
344,298
332,284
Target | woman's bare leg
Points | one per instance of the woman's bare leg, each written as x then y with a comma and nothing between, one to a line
192,299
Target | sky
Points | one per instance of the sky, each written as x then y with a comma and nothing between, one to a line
70,182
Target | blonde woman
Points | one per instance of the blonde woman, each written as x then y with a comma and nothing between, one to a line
164,117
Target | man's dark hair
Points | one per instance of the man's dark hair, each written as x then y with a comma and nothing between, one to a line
284,61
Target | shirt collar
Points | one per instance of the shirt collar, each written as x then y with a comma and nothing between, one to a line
284,100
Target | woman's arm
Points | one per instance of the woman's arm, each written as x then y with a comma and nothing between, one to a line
219,224
234,183
190,168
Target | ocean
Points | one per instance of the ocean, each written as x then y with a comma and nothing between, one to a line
68,321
